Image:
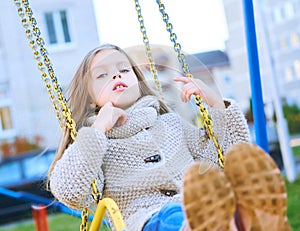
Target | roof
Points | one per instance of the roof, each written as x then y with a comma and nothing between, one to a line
209,59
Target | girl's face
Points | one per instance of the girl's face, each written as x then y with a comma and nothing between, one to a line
113,80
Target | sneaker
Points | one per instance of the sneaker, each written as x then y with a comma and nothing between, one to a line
258,186
208,198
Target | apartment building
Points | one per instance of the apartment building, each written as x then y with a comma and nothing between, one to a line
278,46
70,31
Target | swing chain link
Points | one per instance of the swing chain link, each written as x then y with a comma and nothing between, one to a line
36,42
97,196
208,125
84,220
148,49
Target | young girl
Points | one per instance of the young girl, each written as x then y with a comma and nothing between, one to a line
136,148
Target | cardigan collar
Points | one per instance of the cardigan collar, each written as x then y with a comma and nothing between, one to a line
141,115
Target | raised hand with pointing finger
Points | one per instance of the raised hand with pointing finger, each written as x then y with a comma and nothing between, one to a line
196,86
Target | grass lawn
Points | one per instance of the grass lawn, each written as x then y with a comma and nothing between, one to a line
296,151
63,222
293,190
57,222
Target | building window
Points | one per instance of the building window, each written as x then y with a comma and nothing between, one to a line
297,68
6,119
289,10
277,15
288,74
226,79
283,43
295,41
57,27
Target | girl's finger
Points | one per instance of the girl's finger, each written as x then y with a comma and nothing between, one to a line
190,89
108,104
193,91
182,96
121,120
121,114
185,89
182,79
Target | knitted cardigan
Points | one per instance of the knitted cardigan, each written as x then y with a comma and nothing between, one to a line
141,164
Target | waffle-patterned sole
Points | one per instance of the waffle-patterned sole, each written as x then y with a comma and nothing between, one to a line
258,186
208,199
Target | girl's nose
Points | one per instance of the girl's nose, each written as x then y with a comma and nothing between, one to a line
117,76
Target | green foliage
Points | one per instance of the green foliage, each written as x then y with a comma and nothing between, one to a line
296,151
292,115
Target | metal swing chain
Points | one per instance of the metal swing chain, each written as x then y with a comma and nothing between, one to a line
63,113
208,124
85,213
84,226
148,49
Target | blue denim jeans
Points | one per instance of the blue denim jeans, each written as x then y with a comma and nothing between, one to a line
169,218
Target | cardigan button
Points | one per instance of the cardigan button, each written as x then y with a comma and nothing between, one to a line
169,193
155,158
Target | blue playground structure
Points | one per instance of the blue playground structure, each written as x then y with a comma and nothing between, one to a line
39,200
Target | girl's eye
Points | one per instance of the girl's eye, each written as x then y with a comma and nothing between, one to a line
102,75
124,70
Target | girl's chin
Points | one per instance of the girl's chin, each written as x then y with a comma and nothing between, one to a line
124,103
125,100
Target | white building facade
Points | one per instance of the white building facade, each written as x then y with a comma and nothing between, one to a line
283,33
70,31
276,24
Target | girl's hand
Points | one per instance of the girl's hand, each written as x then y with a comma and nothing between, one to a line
196,86
108,117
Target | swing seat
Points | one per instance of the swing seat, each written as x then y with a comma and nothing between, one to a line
110,205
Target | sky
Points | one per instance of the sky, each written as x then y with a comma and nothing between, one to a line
200,25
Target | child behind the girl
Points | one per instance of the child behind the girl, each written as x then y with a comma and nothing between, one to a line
139,152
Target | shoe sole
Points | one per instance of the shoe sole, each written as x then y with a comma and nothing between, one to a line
208,198
258,186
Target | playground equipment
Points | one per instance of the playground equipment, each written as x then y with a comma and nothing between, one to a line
64,116
63,113
25,196
39,213
20,186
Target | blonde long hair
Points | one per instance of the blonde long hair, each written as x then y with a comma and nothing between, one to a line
79,99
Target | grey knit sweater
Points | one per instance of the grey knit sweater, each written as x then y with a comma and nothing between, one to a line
141,163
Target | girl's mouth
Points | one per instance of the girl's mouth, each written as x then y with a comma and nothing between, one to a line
119,86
